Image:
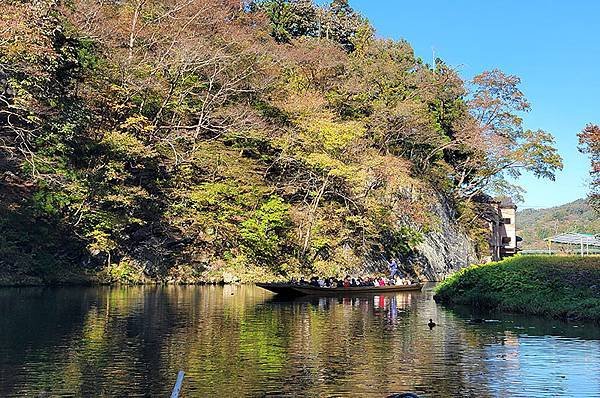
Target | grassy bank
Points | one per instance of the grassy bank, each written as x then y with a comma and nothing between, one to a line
562,287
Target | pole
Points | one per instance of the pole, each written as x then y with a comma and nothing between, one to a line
178,383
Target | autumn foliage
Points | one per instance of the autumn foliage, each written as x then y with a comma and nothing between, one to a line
197,138
589,143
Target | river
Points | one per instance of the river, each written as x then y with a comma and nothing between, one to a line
244,341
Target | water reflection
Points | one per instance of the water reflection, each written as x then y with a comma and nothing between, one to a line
243,341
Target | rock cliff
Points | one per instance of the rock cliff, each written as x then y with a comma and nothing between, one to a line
444,250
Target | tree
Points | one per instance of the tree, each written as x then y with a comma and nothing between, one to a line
202,133
589,143
339,22
289,19
497,104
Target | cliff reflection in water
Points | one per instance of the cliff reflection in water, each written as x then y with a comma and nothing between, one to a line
243,341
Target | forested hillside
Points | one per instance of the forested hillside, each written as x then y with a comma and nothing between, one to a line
534,225
196,140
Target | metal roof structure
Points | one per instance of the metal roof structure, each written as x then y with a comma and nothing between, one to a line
573,238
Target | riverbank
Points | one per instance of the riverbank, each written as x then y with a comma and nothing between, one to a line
127,274
556,286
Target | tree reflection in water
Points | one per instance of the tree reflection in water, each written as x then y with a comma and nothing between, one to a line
243,341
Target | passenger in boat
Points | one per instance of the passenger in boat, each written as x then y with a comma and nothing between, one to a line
314,281
353,283
340,283
381,282
347,281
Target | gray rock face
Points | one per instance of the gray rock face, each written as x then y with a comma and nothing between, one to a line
444,250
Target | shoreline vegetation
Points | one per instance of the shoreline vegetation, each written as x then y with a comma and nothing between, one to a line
120,276
566,287
124,274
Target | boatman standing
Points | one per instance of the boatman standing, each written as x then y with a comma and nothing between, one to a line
393,268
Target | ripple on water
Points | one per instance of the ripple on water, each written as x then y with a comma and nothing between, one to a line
132,341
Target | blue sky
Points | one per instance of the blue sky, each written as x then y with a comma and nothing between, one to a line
554,46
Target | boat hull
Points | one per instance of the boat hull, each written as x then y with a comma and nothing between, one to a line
302,290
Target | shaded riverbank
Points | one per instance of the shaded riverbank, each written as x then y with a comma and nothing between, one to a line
125,275
556,286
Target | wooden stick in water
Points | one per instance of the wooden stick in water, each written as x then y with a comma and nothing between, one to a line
178,383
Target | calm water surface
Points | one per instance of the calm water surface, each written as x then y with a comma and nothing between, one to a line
243,341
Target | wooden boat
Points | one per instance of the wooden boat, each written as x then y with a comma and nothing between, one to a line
300,290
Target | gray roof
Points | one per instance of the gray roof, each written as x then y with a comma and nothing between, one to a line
575,238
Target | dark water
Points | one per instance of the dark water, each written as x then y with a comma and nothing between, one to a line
241,341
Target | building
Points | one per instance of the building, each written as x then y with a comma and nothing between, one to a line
506,228
501,217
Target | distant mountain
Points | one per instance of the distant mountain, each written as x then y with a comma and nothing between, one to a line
533,225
